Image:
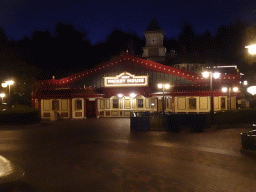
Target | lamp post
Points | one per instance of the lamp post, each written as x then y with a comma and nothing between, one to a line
2,95
8,83
216,75
229,89
163,87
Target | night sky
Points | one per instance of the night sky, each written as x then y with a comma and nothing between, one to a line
99,18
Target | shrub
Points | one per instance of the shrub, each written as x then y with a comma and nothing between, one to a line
19,114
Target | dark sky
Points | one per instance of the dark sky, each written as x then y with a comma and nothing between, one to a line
99,18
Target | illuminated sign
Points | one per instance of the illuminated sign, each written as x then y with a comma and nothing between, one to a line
126,79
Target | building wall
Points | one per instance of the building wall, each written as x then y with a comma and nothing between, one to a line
121,107
198,68
201,104
51,106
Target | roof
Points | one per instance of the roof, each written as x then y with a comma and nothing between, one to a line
153,26
191,76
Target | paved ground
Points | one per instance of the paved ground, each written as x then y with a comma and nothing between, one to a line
103,155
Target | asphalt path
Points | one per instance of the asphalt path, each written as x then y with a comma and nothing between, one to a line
103,155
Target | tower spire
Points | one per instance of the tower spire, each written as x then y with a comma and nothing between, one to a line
154,49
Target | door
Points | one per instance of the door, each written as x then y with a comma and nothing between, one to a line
90,108
78,108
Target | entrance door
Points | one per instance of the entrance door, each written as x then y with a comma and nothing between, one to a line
78,108
90,108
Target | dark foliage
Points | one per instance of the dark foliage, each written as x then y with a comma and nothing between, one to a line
69,51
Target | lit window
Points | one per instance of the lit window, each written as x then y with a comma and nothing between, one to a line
115,103
140,103
78,104
55,105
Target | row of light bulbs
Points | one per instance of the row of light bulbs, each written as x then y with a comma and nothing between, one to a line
133,95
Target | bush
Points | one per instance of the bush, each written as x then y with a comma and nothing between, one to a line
235,117
196,122
19,114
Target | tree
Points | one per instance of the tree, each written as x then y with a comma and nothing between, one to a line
72,50
187,39
187,44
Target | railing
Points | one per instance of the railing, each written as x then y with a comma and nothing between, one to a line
144,121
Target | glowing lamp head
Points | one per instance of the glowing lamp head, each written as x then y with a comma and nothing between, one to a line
216,75
132,95
120,95
224,89
10,82
251,49
167,86
2,95
251,90
4,85
160,86
206,74
235,89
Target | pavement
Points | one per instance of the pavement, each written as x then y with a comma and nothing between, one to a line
8,171
103,155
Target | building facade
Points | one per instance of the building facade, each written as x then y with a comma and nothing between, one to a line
127,84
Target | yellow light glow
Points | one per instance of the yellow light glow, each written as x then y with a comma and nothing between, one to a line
132,95
9,82
206,74
235,89
216,75
167,86
2,95
251,90
224,89
160,86
120,95
3,85
251,49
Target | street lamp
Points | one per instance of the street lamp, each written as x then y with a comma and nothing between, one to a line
163,87
216,75
251,49
251,90
6,84
229,89
2,95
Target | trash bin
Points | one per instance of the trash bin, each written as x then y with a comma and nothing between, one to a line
139,121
